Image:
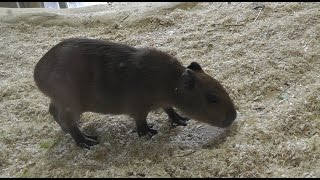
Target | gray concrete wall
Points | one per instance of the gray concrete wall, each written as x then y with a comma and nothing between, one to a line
8,4
21,4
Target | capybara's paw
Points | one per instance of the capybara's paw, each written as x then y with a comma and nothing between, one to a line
179,121
87,143
146,130
91,137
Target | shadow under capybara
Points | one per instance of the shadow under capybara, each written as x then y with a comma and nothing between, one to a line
87,75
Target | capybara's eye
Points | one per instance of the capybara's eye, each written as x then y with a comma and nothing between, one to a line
211,98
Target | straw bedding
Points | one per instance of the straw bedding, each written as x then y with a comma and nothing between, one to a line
267,55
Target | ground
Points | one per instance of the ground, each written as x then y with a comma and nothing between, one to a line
267,55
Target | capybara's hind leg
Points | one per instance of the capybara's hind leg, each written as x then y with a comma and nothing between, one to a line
53,110
65,101
69,122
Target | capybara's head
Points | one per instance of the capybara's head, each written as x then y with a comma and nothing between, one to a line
203,98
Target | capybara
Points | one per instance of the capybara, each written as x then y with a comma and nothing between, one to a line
88,75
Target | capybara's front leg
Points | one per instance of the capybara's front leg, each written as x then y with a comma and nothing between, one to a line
142,126
175,118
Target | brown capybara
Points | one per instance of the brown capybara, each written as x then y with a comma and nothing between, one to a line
86,75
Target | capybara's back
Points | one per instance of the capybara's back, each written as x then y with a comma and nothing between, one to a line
78,66
106,77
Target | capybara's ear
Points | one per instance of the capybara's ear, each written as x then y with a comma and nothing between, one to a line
195,66
188,80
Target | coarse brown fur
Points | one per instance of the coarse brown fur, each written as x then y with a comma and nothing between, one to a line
87,75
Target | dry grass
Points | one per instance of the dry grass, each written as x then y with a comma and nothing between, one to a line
268,59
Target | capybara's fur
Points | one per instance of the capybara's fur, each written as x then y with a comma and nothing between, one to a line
87,75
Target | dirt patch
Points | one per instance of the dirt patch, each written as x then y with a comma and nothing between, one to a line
265,54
